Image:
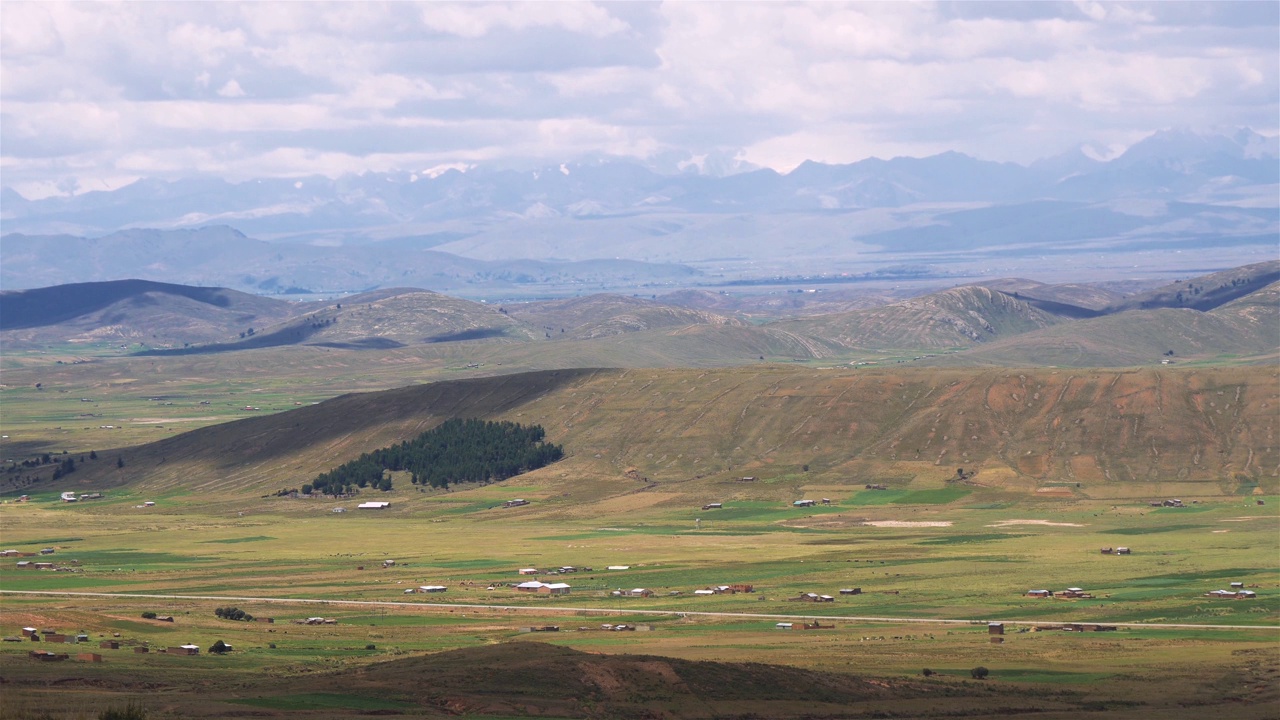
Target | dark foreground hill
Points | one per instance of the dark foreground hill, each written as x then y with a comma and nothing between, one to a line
541,679
1115,433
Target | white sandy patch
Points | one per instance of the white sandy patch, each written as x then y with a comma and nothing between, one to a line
1220,531
908,523
1007,523
1243,519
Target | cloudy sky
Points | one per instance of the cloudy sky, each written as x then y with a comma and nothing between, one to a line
95,95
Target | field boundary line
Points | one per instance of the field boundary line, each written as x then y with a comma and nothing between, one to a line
629,611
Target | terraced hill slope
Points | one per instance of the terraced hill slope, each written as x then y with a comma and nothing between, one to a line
1117,433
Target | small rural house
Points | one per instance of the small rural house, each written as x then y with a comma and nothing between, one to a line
554,589
713,506
515,503
784,626
640,592
1123,551
804,503
851,591
432,588
995,628
1106,551
374,505
529,586
528,571
1040,593
1074,592
812,597
704,591
618,567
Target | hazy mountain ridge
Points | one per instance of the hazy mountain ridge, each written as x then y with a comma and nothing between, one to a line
1163,165
494,230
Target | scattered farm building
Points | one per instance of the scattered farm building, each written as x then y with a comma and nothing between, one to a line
69,497
811,597
618,567
851,591
88,657
530,586
995,628
640,592
183,650
1232,594
47,656
804,503
1075,592
432,588
528,571
515,503
1123,551
1040,593
713,506
554,589
374,505
705,591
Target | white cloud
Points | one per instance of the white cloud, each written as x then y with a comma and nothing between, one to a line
94,92
231,89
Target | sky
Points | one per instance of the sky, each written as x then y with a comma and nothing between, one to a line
95,95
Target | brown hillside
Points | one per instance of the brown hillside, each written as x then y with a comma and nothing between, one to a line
133,311
596,316
1018,429
1243,329
1205,292
384,320
957,317
542,679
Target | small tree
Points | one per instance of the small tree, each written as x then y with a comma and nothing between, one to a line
148,615
979,673
926,672
218,647
119,462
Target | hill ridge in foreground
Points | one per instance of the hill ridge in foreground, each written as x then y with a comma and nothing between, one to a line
1210,430
550,680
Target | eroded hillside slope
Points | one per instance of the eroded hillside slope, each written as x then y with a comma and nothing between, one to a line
1211,431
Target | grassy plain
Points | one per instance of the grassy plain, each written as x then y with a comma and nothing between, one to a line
647,449
908,565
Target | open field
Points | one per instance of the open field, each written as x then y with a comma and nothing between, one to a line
905,562
1065,463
